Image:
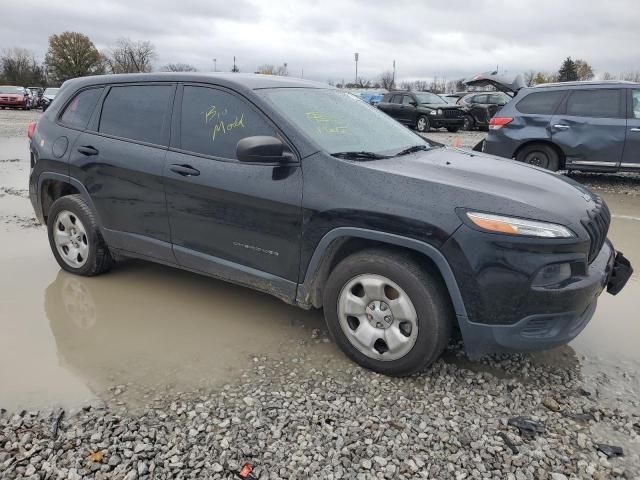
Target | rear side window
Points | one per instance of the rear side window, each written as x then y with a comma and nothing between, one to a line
212,122
136,112
480,99
635,103
594,103
540,103
78,112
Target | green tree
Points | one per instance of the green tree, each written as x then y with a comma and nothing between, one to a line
568,71
72,54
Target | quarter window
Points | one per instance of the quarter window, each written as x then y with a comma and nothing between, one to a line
78,112
136,112
635,103
604,103
213,121
540,103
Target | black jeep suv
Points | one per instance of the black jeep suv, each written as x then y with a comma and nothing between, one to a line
303,191
422,111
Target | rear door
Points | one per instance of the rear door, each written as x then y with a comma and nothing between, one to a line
631,155
120,160
392,107
590,127
231,219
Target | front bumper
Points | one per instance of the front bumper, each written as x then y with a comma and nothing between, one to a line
506,312
451,122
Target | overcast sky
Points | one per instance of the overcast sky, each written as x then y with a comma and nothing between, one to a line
446,38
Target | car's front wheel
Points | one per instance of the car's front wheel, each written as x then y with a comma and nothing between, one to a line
422,124
75,239
539,155
468,123
386,312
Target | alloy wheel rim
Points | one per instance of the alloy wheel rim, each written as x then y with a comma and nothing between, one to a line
70,238
422,123
377,317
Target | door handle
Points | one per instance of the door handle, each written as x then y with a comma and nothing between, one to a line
87,150
560,126
635,129
184,170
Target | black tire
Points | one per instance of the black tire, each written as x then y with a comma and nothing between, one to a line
98,260
422,124
540,155
468,123
453,129
424,289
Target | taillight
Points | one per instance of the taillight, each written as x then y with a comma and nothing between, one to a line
498,122
32,129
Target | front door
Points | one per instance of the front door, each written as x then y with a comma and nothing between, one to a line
590,127
408,110
631,155
120,160
239,221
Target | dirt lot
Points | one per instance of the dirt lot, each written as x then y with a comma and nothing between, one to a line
150,372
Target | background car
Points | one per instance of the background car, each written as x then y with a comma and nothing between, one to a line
481,106
12,96
592,126
48,96
37,96
422,110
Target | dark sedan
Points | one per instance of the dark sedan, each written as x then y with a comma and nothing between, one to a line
422,110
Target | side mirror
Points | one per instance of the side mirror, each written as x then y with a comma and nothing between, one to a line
260,149
413,103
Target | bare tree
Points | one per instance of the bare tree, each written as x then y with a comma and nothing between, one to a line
386,80
178,67
421,85
408,86
631,76
19,66
585,72
130,56
266,69
608,76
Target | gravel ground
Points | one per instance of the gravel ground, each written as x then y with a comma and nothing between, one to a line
295,420
13,123
296,417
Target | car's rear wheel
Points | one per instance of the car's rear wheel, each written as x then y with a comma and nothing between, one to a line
387,313
539,155
422,124
75,238
468,123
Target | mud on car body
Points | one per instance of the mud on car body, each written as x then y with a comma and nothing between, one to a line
305,192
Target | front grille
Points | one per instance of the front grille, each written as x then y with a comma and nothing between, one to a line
597,226
452,113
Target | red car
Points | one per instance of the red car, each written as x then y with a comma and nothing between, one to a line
14,97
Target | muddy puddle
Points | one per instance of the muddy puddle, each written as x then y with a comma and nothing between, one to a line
144,328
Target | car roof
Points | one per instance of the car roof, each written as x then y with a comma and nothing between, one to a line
248,81
592,83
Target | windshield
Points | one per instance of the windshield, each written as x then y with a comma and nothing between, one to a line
426,97
51,91
339,122
12,90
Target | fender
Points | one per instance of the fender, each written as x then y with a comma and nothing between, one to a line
392,239
71,181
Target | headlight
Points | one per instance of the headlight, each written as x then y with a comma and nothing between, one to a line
433,112
518,226
439,111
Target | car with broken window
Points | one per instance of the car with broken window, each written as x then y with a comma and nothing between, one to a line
588,126
422,111
479,107
307,193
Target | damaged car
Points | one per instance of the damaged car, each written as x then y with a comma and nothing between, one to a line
305,192
587,126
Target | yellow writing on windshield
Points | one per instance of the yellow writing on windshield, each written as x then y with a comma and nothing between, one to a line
326,124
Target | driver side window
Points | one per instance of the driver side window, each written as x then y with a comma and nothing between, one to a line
407,100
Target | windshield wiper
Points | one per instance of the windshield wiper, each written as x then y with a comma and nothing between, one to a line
359,155
413,149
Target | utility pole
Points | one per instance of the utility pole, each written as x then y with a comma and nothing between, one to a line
215,67
356,58
285,69
393,82
302,72
235,69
